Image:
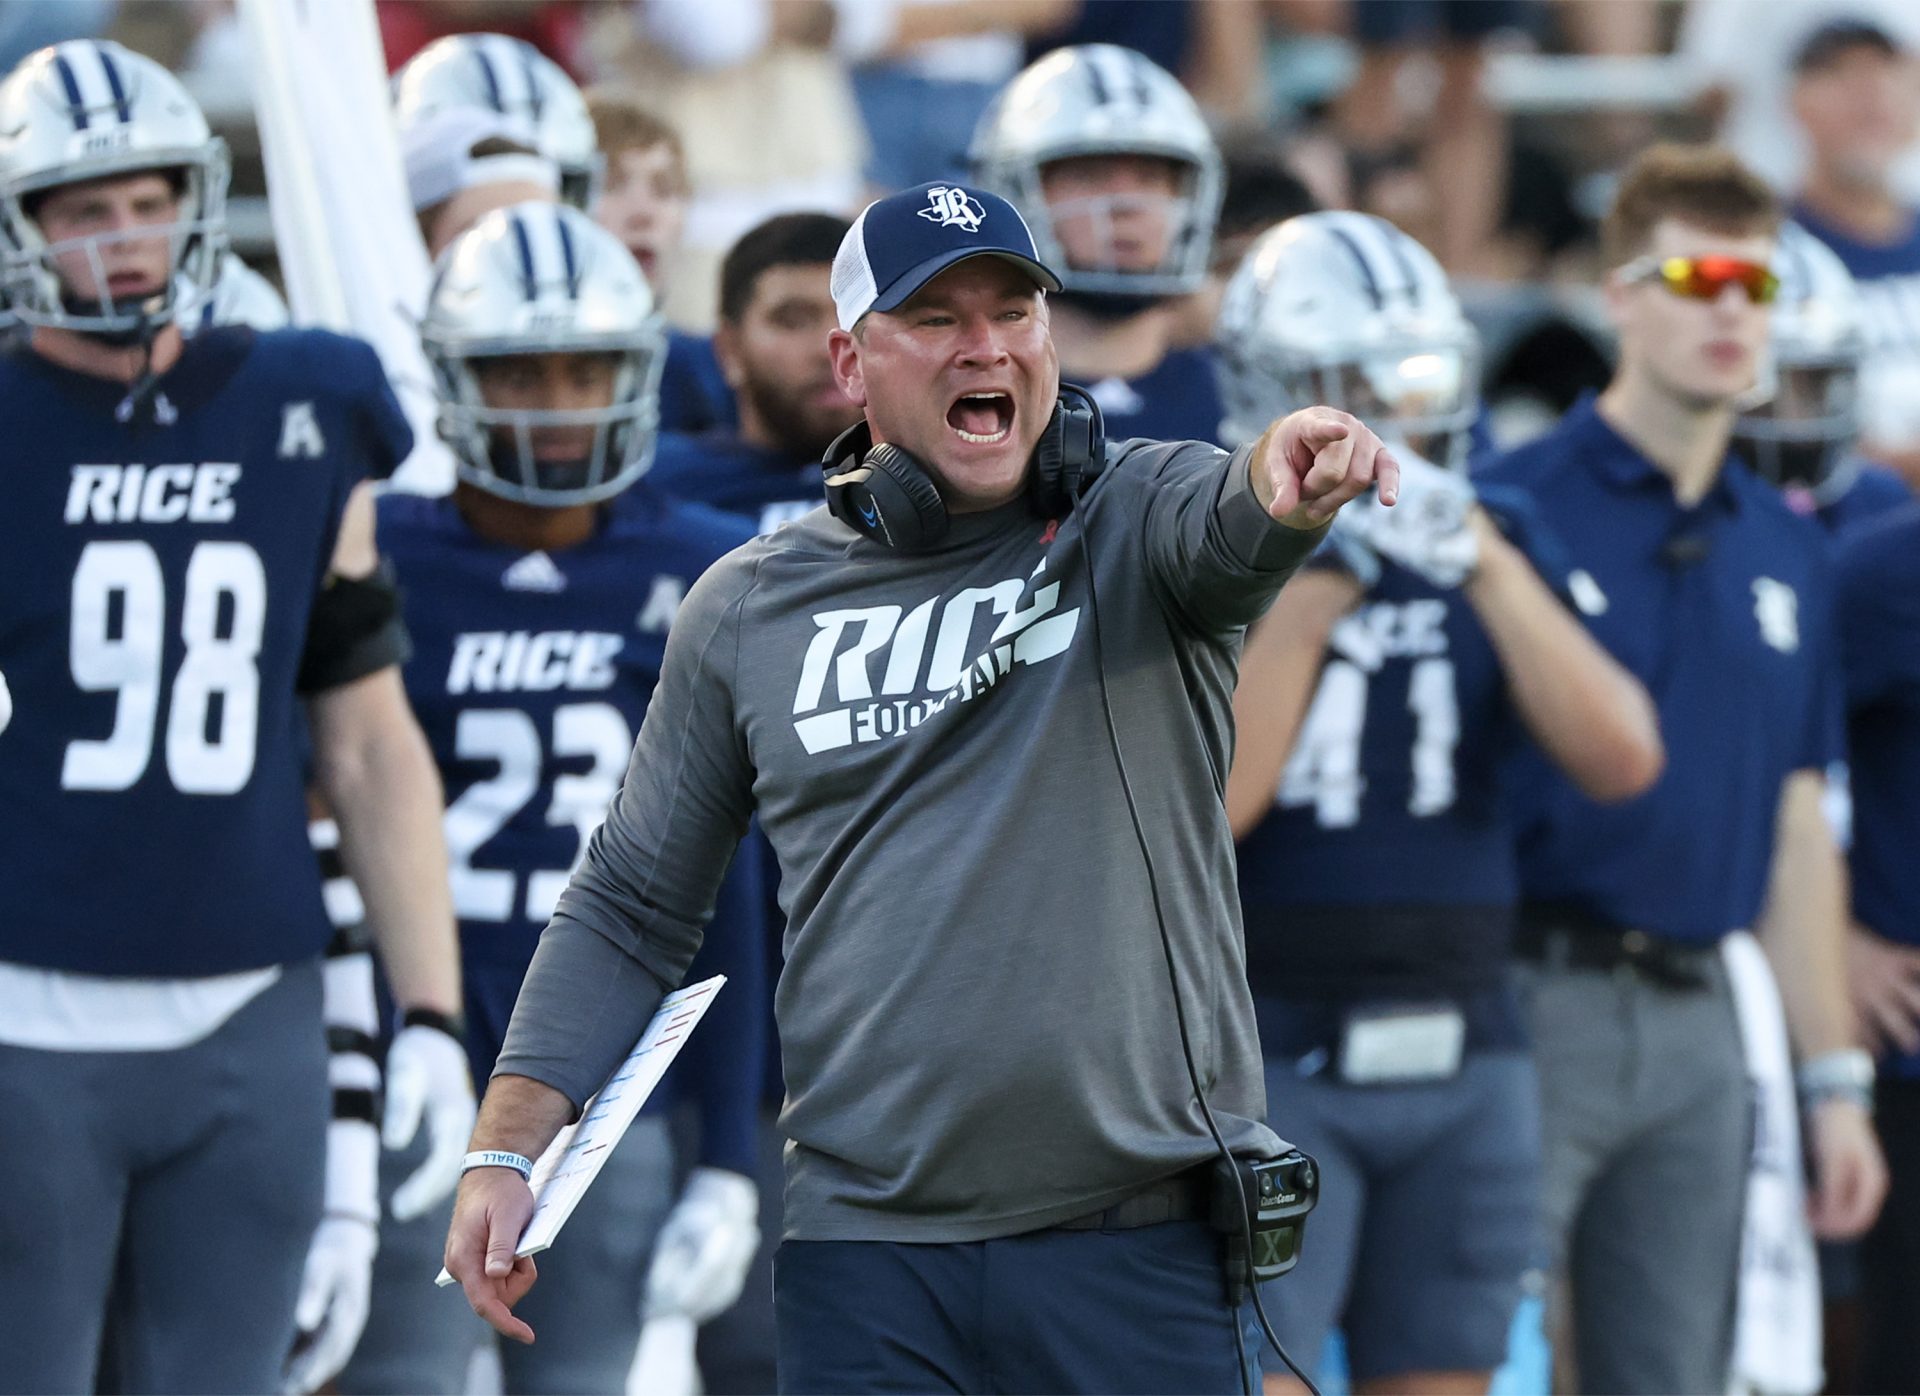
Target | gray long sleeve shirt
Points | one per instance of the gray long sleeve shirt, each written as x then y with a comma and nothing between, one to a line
975,1016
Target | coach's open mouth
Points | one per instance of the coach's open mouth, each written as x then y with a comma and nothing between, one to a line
982,418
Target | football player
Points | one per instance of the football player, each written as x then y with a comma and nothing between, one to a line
195,610
776,306
540,613
513,78
1805,437
1376,704
1112,166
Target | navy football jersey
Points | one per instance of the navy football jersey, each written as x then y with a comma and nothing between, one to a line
1874,491
1179,400
1879,609
719,469
160,573
1391,796
530,675
694,395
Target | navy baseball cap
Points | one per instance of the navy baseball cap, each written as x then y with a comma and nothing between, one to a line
900,243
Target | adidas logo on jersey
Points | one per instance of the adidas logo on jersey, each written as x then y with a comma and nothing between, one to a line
534,572
521,661
954,672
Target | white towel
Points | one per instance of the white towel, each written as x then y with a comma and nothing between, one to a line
1776,1346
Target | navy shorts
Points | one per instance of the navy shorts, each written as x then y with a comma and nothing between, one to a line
1428,1216
1141,1310
1385,23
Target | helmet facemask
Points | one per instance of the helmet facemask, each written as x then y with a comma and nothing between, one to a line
1425,394
495,448
1087,238
40,292
1803,436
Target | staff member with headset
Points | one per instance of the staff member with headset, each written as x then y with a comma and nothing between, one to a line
981,704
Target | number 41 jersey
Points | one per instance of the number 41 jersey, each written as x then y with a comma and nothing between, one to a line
156,578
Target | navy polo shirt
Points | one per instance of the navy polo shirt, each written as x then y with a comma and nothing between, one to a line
1879,606
1724,611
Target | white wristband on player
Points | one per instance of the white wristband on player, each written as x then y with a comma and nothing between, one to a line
497,1158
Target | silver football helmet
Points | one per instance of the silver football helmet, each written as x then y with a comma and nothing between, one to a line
1347,310
543,278
1803,436
514,78
86,110
1101,99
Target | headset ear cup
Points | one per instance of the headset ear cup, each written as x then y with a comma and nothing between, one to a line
904,508
1071,452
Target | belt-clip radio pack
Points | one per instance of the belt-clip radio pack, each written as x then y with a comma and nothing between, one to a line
1268,1199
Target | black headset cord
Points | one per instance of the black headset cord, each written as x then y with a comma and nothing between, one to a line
1173,976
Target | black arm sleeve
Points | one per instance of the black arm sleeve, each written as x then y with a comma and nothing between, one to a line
355,629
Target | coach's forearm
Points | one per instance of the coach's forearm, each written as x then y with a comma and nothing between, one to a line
582,1007
520,1115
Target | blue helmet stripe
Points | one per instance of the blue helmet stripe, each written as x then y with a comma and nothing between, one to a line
536,99
1100,94
1345,239
529,282
121,105
566,254
490,78
1391,236
76,105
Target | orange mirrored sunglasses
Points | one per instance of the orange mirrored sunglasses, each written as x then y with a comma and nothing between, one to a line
1704,278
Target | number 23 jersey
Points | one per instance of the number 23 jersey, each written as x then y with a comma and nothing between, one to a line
156,578
530,675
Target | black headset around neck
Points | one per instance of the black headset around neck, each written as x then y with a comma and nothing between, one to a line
887,495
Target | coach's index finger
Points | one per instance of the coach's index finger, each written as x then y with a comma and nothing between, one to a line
1315,429
1386,477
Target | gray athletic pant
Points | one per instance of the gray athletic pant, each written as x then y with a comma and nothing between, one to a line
179,1188
1647,1127
584,1309
1427,1222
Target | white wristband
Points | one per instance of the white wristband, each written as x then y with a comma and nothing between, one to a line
1847,1073
497,1158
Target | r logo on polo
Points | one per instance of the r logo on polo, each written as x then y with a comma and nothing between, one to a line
1777,607
953,208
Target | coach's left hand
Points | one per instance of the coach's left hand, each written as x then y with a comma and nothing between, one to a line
1312,461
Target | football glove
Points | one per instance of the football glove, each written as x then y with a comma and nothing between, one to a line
427,1078
338,1279
1429,532
701,1258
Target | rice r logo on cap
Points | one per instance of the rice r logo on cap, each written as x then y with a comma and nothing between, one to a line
950,207
900,243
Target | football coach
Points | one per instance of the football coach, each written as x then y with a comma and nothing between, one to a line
981,704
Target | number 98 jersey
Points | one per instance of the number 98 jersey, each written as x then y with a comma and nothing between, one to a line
530,675
159,575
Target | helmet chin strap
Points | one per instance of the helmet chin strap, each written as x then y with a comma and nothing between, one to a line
146,380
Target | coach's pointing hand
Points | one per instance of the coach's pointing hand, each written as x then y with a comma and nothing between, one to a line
490,1212
1312,461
